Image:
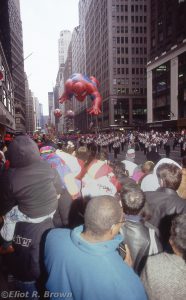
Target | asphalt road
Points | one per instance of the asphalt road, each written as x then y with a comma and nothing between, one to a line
140,157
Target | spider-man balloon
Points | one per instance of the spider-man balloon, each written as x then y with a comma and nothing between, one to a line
80,86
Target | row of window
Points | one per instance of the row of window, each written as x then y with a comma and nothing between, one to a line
135,51
134,19
125,40
125,8
125,81
135,71
7,103
125,91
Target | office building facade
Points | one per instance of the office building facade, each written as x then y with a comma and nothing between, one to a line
115,35
7,108
166,69
30,113
12,43
63,43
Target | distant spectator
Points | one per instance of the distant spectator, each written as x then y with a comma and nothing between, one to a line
167,148
182,188
130,165
150,182
153,155
146,168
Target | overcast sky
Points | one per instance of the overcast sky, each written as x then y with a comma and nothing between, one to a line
42,21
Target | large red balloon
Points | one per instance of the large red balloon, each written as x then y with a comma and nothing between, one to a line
80,86
58,113
70,113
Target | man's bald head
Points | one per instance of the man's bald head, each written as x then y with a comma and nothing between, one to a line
101,213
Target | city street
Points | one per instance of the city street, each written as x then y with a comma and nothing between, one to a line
140,157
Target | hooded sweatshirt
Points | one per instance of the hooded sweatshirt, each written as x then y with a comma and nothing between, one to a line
30,182
81,270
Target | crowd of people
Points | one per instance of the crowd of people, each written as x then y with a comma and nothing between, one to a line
76,223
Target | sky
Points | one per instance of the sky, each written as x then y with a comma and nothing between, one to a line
42,21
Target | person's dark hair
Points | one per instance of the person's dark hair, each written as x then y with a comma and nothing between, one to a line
101,213
60,145
184,162
133,200
93,150
102,155
153,148
119,169
170,174
2,144
147,167
82,153
178,234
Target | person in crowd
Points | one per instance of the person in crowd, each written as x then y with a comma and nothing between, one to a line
153,155
167,147
183,150
87,259
47,141
164,275
29,192
175,142
29,189
165,202
68,156
146,168
116,146
2,161
68,180
151,182
99,178
130,165
122,175
182,188
123,142
119,168
141,237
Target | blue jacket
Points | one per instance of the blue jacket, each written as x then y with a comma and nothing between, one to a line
88,271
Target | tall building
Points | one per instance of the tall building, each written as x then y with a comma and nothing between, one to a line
63,49
115,35
30,114
63,43
166,69
12,43
81,120
41,120
68,105
7,109
50,105
37,113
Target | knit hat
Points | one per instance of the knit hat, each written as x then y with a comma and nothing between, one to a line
70,145
23,151
130,153
47,149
